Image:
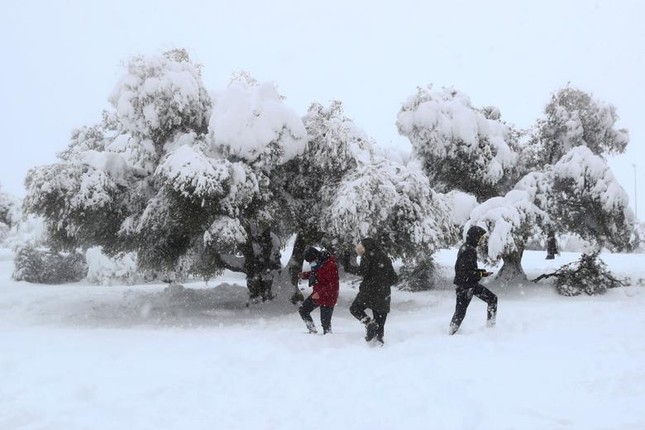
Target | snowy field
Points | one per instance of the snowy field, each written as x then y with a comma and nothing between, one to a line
142,357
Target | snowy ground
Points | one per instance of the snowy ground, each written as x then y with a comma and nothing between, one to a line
86,357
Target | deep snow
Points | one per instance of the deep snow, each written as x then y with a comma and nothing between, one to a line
143,357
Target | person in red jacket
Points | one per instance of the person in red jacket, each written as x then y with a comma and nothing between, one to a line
323,278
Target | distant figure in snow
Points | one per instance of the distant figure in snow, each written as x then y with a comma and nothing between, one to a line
375,290
467,277
551,246
323,278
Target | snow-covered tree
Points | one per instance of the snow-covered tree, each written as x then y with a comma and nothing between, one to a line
391,203
339,174
587,199
570,187
252,125
334,146
510,222
180,177
107,172
9,212
579,194
161,95
637,241
460,205
461,147
574,118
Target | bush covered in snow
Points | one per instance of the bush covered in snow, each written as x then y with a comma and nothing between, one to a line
120,269
44,266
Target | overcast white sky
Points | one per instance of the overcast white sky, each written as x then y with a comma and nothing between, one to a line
62,58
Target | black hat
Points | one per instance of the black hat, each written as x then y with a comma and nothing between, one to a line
311,254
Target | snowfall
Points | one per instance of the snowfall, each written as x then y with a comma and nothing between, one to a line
80,356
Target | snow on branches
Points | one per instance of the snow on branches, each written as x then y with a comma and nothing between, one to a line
334,141
187,178
188,171
461,147
160,95
407,216
588,200
251,121
591,175
509,220
589,275
573,118
578,194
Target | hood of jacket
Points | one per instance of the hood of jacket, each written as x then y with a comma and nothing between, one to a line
474,234
370,245
311,254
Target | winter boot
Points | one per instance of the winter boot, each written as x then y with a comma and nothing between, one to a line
311,327
453,329
490,322
371,330
491,314
379,340
326,328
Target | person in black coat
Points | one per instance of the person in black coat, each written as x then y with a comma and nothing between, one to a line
467,277
375,289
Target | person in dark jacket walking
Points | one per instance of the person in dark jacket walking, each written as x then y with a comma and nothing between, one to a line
375,289
467,277
323,278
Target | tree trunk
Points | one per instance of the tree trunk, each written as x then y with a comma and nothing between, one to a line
261,262
303,239
512,267
297,257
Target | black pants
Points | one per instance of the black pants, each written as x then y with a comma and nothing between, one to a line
464,296
357,309
325,313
